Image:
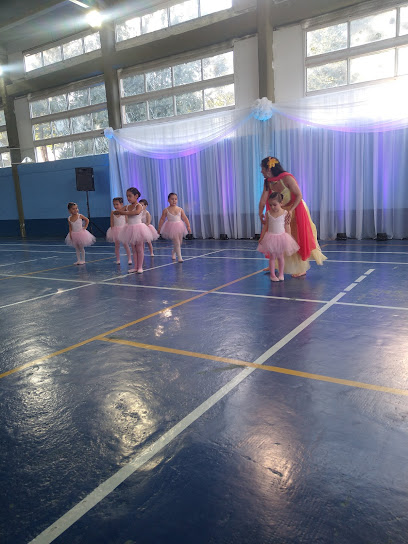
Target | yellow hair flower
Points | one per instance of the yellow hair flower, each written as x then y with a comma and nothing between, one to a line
272,162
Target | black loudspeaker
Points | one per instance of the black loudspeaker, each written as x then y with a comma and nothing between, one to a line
84,179
382,237
223,237
341,236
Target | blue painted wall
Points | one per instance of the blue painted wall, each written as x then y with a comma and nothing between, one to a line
46,190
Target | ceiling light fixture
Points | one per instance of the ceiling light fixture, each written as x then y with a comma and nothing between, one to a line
94,18
80,4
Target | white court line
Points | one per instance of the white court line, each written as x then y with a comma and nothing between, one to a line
366,252
327,261
19,262
43,296
403,308
369,271
31,277
351,286
361,278
109,485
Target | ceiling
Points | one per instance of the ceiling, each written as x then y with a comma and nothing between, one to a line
26,24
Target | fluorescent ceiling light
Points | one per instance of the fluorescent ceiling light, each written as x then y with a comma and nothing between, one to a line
80,4
94,18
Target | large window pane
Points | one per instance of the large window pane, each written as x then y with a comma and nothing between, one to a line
373,28
133,113
83,147
3,139
58,103
372,67
218,66
32,62
211,6
98,94
327,76
52,55
189,103
154,21
5,159
403,29
63,150
60,128
325,40
39,108
101,146
78,99
161,79
82,123
44,153
183,12
219,97
133,85
72,49
128,29
92,42
403,61
2,118
163,107
42,131
100,119
187,73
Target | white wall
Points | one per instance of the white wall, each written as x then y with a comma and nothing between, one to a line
288,63
246,72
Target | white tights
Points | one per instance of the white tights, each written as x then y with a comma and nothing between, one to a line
80,253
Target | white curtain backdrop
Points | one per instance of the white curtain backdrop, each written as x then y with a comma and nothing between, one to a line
348,151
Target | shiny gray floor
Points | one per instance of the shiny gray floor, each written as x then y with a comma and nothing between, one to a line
132,411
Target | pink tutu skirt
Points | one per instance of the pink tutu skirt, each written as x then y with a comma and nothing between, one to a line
136,234
154,232
278,244
174,230
83,238
113,234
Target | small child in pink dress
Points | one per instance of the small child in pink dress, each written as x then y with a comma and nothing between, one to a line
117,224
276,241
135,232
176,226
147,220
78,237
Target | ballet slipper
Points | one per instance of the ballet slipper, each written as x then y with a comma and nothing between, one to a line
117,262
77,262
281,278
140,271
131,270
299,275
274,278
173,255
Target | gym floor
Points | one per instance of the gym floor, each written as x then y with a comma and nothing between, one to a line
200,402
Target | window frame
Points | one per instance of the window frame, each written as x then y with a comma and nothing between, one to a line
352,52
67,114
176,90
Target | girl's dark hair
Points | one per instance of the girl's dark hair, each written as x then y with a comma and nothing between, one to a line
134,191
276,170
118,199
171,194
71,205
143,201
276,196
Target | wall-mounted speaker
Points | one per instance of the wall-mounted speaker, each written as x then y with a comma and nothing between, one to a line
84,179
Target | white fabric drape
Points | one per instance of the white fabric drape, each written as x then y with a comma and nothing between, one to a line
347,150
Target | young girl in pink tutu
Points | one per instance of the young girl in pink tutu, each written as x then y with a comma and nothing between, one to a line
135,232
78,237
176,226
117,224
147,220
276,241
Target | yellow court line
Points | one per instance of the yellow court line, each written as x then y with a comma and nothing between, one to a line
100,336
277,369
48,269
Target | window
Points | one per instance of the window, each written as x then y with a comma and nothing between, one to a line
357,51
170,16
68,50
181,89
5,159
69,124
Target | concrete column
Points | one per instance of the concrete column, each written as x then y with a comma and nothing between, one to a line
107,33
14,144
265,52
